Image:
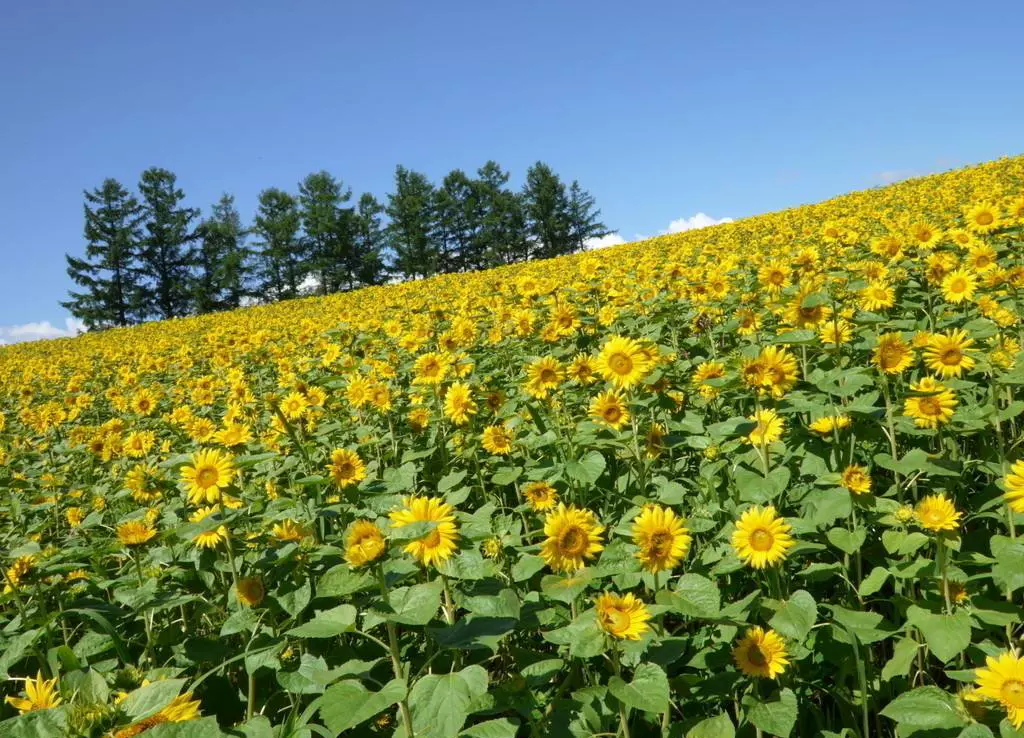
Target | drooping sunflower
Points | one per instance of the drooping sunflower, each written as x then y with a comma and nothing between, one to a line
40,694
179,710
609,409
135,532
828,423
622,616
933,406
289,531
654,440
937,514
1002,680
497,439
958,286
541,495
209,538
346,468
948,354
365,543
769,427
210,472
1014,482
623,361
573,538
440,543
761,653
250,591
761,537
459,404
661,537
892,354
856,479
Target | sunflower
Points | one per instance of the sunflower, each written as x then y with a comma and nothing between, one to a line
835,332
1014,482
544,375
440,543
877,296
622,616
924,235
431,368
761,537
856,479
497,440
289,531
250,591
135,532
180,709
623,362
459,403
982,259
1002,680
541,495
573,537
209,538
704,372
892,354
582,369
661,538
937,514
933,407
828,423
982,218
40,694
211,471
779,370
654,440
769,427
365,543
294,406
608,409
761,653
346,468
947,354
18,571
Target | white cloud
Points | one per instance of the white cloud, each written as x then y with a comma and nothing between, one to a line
611,239
700,220
40,330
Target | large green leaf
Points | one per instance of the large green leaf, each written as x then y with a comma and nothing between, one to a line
149,699
327,623
440,703
348,703
946,635
648,690
415,605
776,717
925,707
795,618
694,595
719,726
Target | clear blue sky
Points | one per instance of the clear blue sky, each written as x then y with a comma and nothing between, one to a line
661,110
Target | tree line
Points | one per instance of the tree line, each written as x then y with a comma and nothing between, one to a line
148,255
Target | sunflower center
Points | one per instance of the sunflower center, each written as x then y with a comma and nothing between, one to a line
958,285
612,414
620,363
548,376
1012,693
761,540
661,544
618,621
930,406
951,356
345,470
573,541
432,539
984,218
207,476
756,656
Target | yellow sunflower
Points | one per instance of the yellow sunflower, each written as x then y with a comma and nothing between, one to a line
661,537
761,537
1002,680
609,409
497,440
1014,482
622,616
573,538
180,709
210,538
135,532
346,468
761,653
294,406
582,369
769,427
459,403
250,591
211,471
40,694
958,286
289,531
825,425
947,354
877,296
365,543
982,218
933,406
541,495
856,479
937,514
440,543
544,375
431,368
623,362
892,354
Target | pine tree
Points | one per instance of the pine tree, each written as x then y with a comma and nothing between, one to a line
280,258
584,218
501,236
328,229
367,263
222,282
167,252
547,213
410,233
456,220
109,274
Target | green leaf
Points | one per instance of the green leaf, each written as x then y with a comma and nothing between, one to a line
258,727
16,648
415,605
341,581
719,726
526,566
327,623
583,636
500,728
925,707
862,623
946,635
148,700
588,469
450,481
440,703
1008,571
37,724
565,588
847,541
203,728
776,717
648,691
903,654
976,730
507,475
348,703
873,581
795,618
694,595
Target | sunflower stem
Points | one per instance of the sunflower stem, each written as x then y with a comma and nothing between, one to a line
623,712
396,655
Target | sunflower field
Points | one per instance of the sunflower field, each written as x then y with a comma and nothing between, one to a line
757,479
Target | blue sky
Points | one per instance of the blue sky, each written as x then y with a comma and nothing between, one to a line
661,110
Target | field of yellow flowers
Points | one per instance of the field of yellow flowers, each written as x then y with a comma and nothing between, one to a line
759,479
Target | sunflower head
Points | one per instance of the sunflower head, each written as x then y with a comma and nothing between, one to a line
622,616
1002,680
441,542
365,543
761,537
624,361
937,514
661,538
573,538
761,653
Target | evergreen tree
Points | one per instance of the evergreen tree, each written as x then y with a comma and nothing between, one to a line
167,252
367,264
223,260
410,233
113,295
456,221
328,229
546,205
280,259
584,218
501,234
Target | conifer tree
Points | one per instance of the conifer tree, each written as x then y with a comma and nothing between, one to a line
412,227
168,255
280,258
546,205
328,229
223,261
